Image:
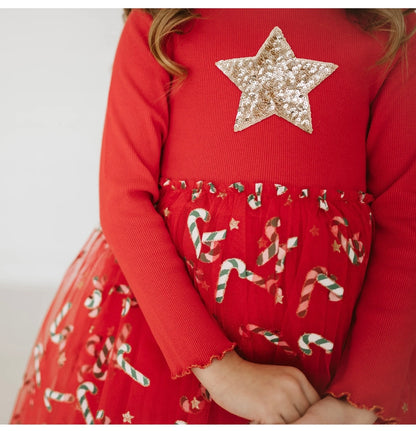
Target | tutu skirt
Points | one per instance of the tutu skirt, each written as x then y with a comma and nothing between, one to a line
279,267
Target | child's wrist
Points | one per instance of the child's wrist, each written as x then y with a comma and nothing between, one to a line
216,372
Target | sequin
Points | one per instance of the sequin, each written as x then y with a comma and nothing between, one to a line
275,82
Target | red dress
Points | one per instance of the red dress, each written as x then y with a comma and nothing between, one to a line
289,241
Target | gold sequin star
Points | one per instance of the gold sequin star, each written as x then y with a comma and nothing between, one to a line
195,403
127,417
274,81
234,224
166,212
314,231
405,408
336,246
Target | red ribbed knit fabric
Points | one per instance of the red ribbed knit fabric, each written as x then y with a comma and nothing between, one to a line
168,158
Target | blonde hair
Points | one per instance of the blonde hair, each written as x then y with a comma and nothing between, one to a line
168,21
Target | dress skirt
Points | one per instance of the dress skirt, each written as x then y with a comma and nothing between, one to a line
279,267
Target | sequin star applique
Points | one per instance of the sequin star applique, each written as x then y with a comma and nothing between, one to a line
274,81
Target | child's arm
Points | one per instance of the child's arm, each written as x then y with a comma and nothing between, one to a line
376,361
262,393
136,125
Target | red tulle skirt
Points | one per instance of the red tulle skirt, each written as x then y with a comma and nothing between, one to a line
279,267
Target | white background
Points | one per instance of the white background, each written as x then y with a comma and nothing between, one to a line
55,69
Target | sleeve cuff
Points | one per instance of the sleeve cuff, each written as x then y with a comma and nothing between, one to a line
203,362
379,411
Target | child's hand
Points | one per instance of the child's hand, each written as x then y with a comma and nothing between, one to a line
330,410
261,393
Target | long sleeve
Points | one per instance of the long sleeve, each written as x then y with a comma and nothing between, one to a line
377,359
136,125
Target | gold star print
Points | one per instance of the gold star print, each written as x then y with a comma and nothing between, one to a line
405,408
314,231
274,81
234,224
289,201
205,285
91,329
336,246
262,242
166,212
62,359
221,195
127,417
195,403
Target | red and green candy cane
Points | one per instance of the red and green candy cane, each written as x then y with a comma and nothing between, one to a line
60,337
128,369
37,353
61,397
210,239
311,338
226,267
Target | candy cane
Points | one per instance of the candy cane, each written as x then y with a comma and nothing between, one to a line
126,306
60,338
127,302
167,182
197,192
274,249
212,239
280,190
212,188
226,267
193,228
322,201
93,303
57,396
209,238
317,274
353,247
101,415
83,388
37,352
267,334
121,338
91,343
128,369
255,200
320,341
238,186
281,254
271,233
97,368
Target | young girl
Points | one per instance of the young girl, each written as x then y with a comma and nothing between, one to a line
257,262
